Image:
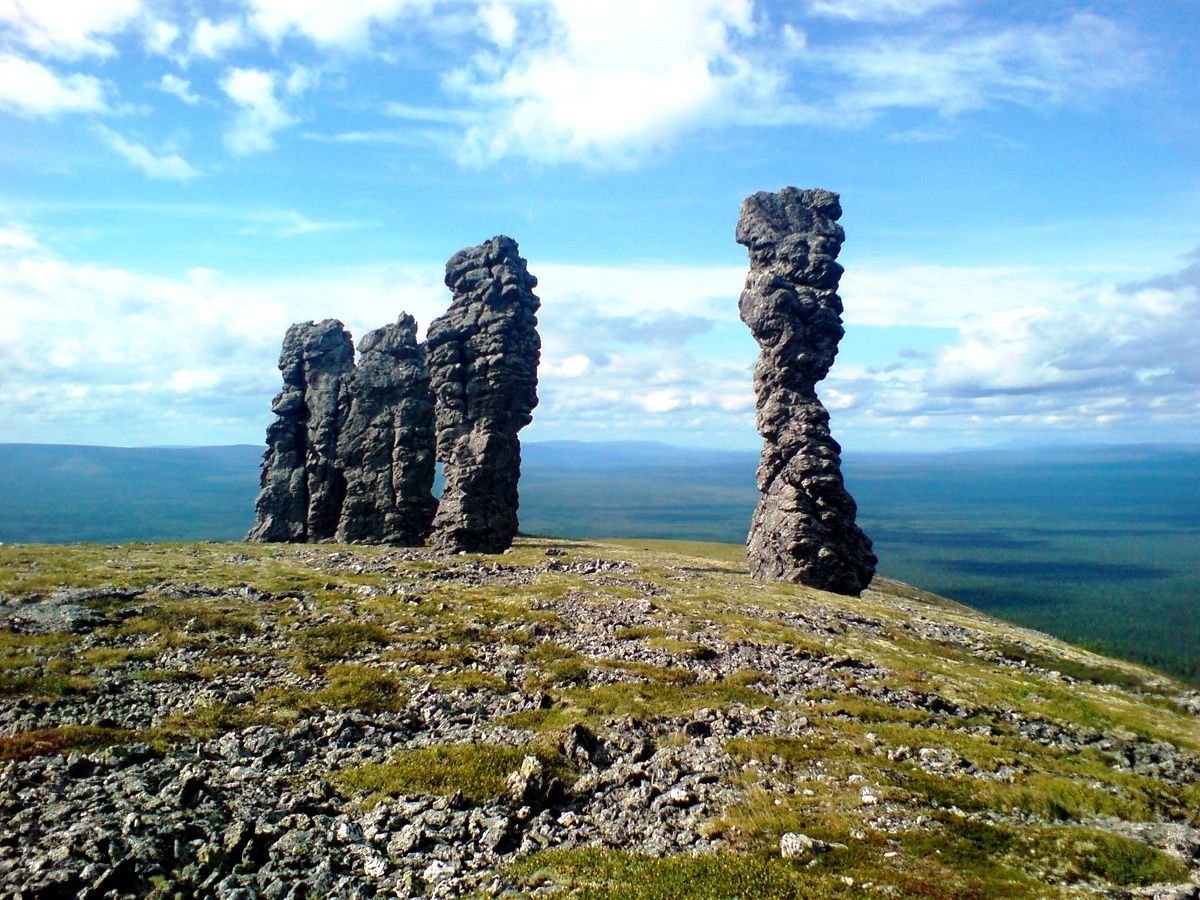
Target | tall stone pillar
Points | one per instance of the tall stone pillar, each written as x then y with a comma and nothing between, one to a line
803,529
302,486
386,442
483,356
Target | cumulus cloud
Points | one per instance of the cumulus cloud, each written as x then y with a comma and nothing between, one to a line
610,84
17,237
29,88
159,36
260,113
606,82
1087,361
212,40
98,353
1128,340
69,29
170,166
178,87
665,356
935,296
345,25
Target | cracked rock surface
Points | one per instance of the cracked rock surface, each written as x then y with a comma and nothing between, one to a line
385,445
804,528
302,484
483,357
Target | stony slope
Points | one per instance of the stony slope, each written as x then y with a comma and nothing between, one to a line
620,721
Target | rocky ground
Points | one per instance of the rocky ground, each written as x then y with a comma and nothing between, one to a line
593,720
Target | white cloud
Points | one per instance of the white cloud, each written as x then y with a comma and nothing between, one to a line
31,89
1124,342
160,36
575,366
213,40
1086,362
300,79
69,29
877,10
17,237
644,291
179,87
95,353
169,166
608,82
661,401
345,24
290,223
190,381
260,114
664,357
953,72
499,22
938,296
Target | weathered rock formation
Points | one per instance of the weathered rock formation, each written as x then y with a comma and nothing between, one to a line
483,356
386,441
803,529
302,482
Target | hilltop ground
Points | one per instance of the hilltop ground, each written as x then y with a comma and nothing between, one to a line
638,720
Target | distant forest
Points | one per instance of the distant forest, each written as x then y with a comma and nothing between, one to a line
1099,545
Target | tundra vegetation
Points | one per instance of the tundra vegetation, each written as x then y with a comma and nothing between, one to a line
613,719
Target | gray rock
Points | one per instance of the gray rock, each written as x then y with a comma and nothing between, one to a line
386,442
302,481
795,845
483,356
803,529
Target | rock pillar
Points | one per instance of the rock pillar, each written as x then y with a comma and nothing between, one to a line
302,482
483,356
386,442
803,529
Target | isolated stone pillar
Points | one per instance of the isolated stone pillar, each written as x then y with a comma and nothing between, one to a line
302,483
483,356
386,442
803,529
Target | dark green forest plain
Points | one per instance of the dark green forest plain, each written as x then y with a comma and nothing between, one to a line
1097,545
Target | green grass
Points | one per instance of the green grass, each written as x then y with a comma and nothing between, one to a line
339,640
477,770
598,874
640,699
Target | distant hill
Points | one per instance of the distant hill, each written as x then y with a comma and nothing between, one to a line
1094,544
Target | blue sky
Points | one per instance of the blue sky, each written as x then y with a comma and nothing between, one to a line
181,181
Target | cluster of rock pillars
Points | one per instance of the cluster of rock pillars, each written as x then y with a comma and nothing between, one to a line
351,453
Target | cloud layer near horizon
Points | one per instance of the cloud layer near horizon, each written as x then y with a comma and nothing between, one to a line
652,349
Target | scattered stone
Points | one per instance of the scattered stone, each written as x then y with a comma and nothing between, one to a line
251,812
795,845
803,529
483,356
530,785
